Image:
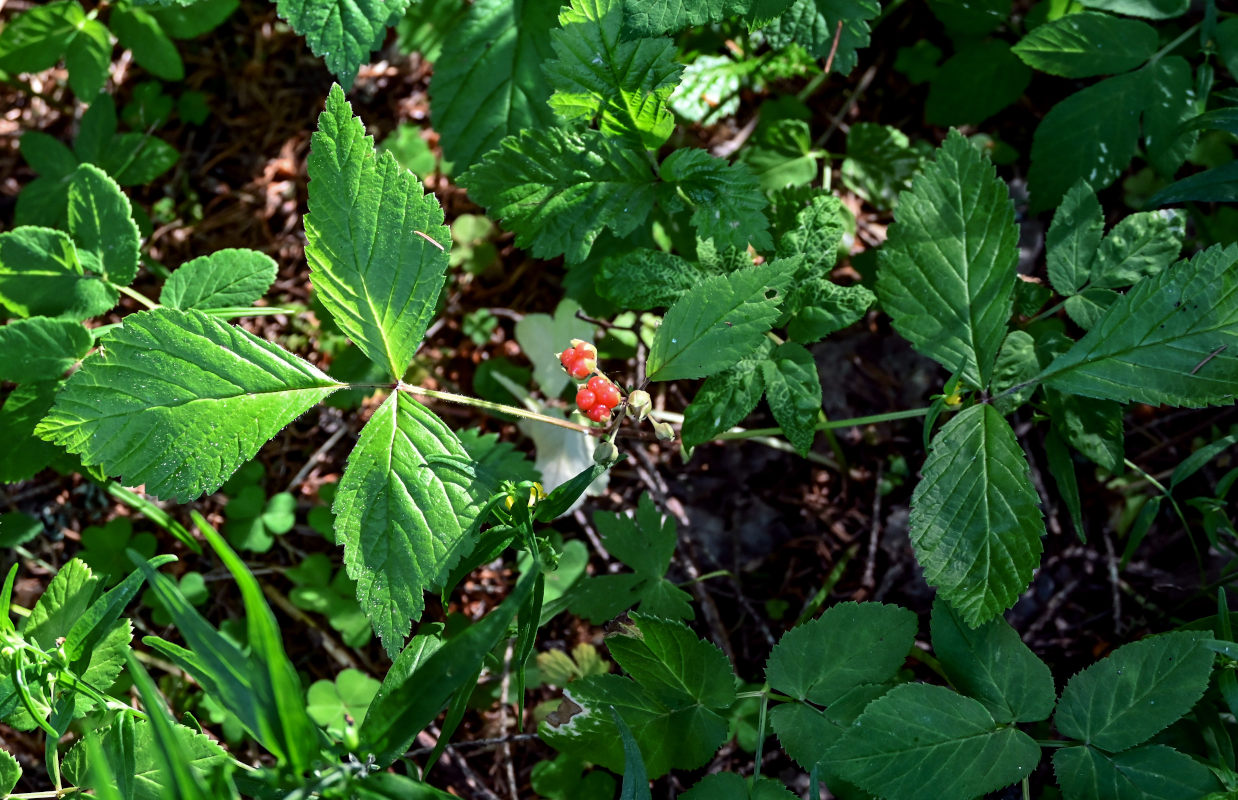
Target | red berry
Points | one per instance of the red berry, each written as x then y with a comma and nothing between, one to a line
568,357
599,413
580,368
607,393
585,399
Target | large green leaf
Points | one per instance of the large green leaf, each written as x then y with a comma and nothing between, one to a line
793,391
178,400
40,275
717,323
991,664
1171,339
1136,691
41,349
102,226
559,189
1073,141
1172,101
623,84
975,516
926,742
147,776
488,81
723,401
813,24
948,268
225,278
375,242
342,32
850,645
1073,237
1154,772
728,206
1087,44
402,524
668,660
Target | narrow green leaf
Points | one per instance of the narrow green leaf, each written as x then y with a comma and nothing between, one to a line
975,516
635,779
1195,461
225,278
922,742
947,270
993,665
375,242
1138,247
488,81
402,524
558,190
1216,185
1171,339
399,712
34,40
1073,238
793,391
342,32
102,226
1148,9
178,400
728,205
171,749
1074,142
723,401
849,645
813,24
717,323
1062,468
625,85
1154,772
40,275
39,349
140,33
1087,44
1135,692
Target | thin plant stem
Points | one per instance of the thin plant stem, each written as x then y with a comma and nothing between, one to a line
465,400
141,298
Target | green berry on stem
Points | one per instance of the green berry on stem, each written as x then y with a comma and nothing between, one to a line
639,404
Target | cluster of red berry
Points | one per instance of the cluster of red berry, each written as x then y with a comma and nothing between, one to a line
597,398
580,359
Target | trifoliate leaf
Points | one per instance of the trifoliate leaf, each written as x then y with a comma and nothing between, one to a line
558,190
41,349
1073,237
343,33
1087,44
723,401
375,242
488,81
231,277
1172,339
728,205
402,524
40,275
178,400
813,24
947,270
975,516
101,224
793,391
922,742
625,85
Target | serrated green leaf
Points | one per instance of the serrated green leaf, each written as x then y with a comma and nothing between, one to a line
101,224
823,307
1016,366
1062,468
375,242
947,270
403,525
226,278
728,205
642,279
668,660
1155,772
813,24
709,88
849,645
978,81
625,85
1087,44
993,665
781,155
24,454
140,33
1148,9
975,516
920,741
342,32
40,349
40,275
817,234
1135,692
723,401
488,81
143,765
719,322
1171,339
558,190
178,400
1086,308
1093,427
10,772
804,732
793,391
880,163
88,58
1074,142
730,786
1139,246
656,17
1073,238
34,41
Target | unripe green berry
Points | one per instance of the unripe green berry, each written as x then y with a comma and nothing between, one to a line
664,431
605,453
639,404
